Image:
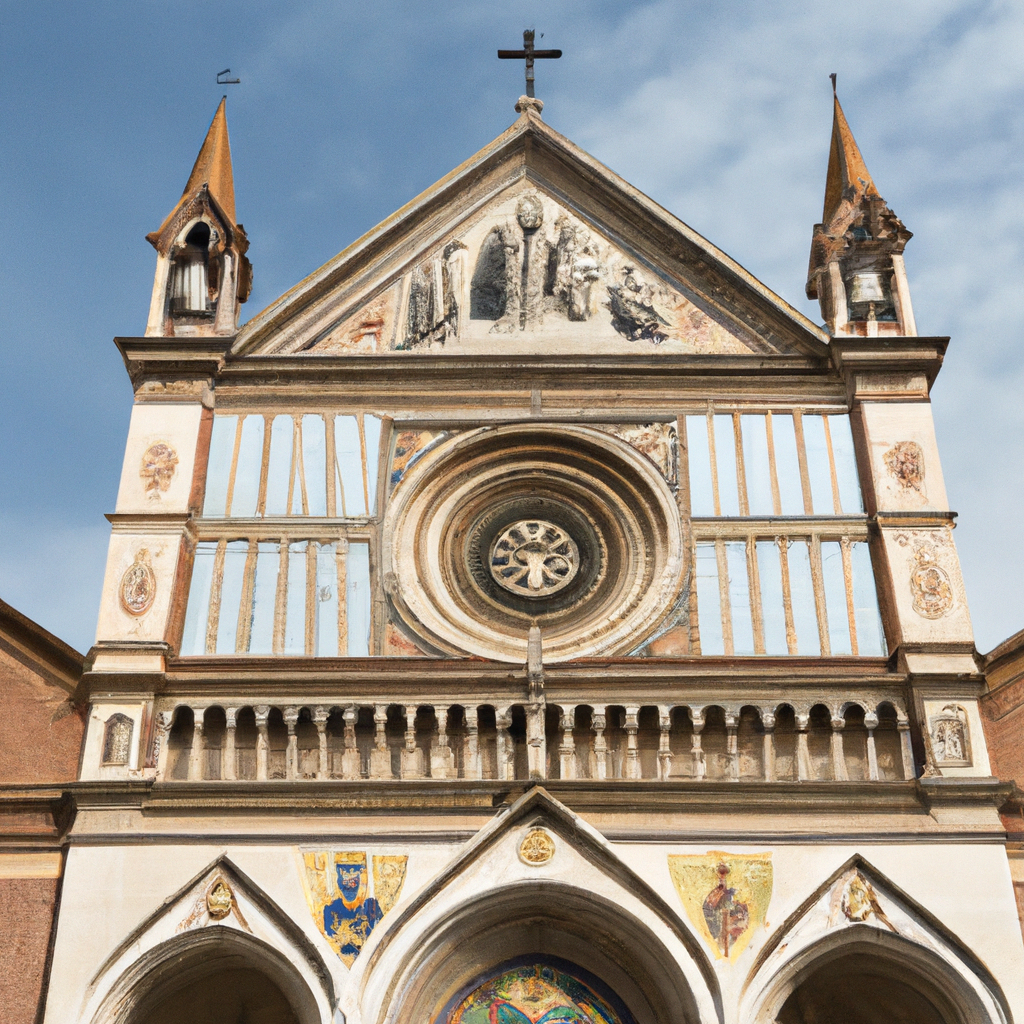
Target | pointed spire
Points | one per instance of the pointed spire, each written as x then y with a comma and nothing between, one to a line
846,167
213,165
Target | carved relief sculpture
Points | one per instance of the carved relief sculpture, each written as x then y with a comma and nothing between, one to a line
117,739
537,847
905,461
158,465
930,585
137,589
951,737
534,558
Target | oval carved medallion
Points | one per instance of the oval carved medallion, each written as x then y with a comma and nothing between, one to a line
138,585
534,558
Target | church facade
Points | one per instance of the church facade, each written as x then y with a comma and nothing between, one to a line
530,617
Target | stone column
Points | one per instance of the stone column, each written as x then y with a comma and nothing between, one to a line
536,741
632,768
567,748
351,762
903,724
291,757
871,724
665,744
320,716
380,756
699,766
471,746
412,758
839,772
164,721
196,752
229,767
598,724
442,760
262,713
768,724
732,745
803,754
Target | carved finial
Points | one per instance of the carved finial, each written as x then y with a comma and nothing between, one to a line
833,77
528,103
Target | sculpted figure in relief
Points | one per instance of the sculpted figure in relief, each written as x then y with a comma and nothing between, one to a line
950,736
158,465
905,461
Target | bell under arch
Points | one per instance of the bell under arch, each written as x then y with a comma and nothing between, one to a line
546,925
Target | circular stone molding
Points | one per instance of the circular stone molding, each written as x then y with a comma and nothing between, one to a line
564,525
537,847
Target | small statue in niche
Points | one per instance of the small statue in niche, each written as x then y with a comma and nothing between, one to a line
158,465
435,299
117,739
576,268
950,736
632,309
905,460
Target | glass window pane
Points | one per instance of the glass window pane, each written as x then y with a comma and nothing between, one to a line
805,615
870,637
358,599
787,465
755,462
193,640
218,471
709,605
350,466
314,459
846,464
702,502
268,564
295,622
231,595
773,610
835,598
818,468
725,457
279,470
371,428
739,597
250,465
326,602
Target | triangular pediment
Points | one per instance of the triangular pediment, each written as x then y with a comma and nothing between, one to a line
531,247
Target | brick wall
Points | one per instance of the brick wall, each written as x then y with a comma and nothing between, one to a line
26,916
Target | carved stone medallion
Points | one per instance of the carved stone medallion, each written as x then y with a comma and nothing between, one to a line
158,465
537,847
138,585
534,558
219,901
905,460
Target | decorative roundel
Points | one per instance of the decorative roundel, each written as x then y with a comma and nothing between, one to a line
534,558
564,525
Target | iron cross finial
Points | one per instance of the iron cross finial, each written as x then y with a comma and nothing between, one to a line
529,54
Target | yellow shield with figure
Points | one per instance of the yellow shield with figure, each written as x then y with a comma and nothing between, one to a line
346,898
725,896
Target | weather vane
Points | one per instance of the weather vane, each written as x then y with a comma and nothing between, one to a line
529,54
221,80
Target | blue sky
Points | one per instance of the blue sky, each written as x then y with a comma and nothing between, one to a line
721,113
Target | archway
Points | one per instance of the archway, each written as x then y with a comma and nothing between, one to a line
862,975
211,976
858,990
592,949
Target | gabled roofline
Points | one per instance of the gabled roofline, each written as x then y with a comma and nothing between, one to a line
59,662
529,137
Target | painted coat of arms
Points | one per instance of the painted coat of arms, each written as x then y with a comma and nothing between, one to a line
725,896
347,898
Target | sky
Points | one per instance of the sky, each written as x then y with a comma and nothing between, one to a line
345,111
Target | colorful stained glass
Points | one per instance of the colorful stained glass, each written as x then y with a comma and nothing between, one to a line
534,993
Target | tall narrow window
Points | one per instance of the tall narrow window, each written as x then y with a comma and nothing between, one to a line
189,281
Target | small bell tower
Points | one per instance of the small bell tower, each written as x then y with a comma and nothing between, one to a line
202,273
856,269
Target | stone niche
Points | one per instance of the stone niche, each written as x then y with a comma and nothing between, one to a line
565,526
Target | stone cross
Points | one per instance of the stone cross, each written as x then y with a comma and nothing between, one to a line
529,54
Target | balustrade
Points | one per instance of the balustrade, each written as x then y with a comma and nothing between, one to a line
380,742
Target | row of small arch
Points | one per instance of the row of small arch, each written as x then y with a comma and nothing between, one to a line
646,742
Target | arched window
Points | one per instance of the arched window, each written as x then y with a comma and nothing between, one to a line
117,739
190,277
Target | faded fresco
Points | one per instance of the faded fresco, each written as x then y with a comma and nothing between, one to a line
526,271
725,896
533,994
348,893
